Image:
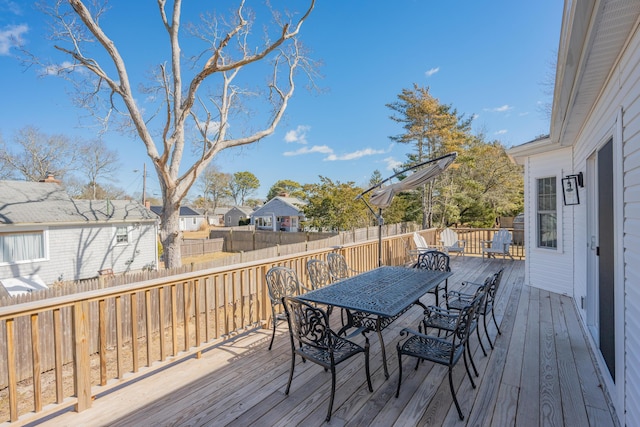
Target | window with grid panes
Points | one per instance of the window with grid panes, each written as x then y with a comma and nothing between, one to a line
547,213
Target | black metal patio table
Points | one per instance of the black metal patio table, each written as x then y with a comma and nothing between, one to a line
377,297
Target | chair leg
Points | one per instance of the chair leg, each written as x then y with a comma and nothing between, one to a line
333,391
486,330
273,335
473,365
480,340
399,372
293,366
493,315
453,393
466,365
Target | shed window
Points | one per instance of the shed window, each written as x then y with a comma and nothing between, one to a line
16,247
122,235
547,213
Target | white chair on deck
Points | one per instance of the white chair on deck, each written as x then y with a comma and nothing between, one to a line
421,244
499,245
450,241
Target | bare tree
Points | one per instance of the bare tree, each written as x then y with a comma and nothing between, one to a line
97,163
36,154
203,105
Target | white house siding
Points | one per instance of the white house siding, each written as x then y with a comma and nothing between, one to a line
619,101
555,276
191,223
631,228
69,260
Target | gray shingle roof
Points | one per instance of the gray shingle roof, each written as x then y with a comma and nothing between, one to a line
23,202
184,211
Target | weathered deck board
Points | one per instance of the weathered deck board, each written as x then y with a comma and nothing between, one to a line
540,371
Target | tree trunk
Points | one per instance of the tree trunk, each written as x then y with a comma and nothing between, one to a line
170,234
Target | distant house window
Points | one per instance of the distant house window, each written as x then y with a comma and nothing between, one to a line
264,221
16,247
122,235
547,214
194,221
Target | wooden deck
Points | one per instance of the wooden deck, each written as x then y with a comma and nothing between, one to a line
541,372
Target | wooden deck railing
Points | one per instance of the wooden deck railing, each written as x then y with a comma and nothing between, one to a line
84,344
62,351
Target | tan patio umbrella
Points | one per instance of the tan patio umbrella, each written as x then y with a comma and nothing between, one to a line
383,195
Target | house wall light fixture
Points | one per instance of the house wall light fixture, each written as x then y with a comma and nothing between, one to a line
570,185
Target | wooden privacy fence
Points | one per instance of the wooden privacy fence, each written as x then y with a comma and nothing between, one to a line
195,247
61,351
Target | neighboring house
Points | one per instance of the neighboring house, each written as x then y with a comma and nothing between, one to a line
279,214
236,214
582,189
46,234
217,216
190,219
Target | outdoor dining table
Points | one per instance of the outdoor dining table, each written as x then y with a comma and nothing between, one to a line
377,297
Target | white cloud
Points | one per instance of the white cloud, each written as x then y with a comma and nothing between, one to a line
501,109
299,135
64,67
331,156
502,132
308,150
11,36
392,163
355,155
523,114
11,6
432,71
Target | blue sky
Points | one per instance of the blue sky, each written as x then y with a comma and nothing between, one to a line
488,60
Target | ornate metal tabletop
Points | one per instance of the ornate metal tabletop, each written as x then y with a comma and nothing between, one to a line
385,291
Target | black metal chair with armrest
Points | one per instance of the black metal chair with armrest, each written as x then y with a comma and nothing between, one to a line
445,351
309,326
456,299
437,261
444,319
319,276
338,267
281,282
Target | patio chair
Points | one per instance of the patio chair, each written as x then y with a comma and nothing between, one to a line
309,326
458,299
437,261
444,319
338,267
451,243
281,282
445,351
319,275
499,245
421,243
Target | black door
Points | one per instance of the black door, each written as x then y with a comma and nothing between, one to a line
605,253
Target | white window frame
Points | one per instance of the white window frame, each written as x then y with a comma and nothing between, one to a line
540,212
118,234
45,244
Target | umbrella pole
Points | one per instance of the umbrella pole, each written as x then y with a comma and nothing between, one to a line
380,222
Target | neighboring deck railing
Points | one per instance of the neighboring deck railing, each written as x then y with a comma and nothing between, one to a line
62,351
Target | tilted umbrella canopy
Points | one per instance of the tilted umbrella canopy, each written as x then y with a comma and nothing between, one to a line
383,196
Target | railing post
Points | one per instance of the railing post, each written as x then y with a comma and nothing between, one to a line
81,355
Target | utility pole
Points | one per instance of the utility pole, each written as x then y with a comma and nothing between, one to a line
144,184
